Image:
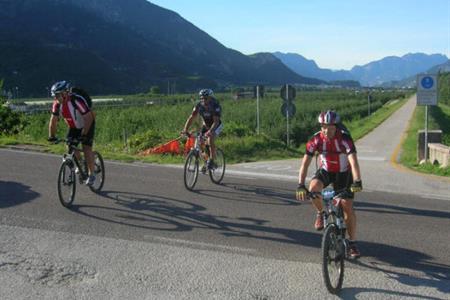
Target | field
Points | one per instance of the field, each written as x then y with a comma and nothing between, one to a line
144,121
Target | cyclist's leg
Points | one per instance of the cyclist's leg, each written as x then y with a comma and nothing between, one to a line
211,141
74,134
87,148
343,181
318,182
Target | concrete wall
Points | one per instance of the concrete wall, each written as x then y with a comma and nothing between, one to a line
439,153
434,136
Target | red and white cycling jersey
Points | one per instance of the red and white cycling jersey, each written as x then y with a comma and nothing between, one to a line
333,153
72,111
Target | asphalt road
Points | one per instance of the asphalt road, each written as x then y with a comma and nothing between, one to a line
146,237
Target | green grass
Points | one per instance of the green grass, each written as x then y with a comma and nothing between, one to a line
146,126
439,118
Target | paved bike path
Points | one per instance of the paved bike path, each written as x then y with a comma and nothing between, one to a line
377,152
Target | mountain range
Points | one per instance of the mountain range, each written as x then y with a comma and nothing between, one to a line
388,69
116,46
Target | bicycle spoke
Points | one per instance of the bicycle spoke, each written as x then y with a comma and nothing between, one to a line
66,183
216,174
191,170
332,260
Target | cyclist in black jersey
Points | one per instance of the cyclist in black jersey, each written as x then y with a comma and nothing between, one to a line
210,111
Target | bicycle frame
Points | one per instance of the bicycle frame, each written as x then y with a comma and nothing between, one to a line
334,213
71,156
201,146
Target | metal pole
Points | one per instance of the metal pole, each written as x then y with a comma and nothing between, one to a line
257,109
425,155
287,116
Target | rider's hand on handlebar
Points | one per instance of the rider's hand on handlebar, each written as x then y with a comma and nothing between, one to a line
301,192
356,186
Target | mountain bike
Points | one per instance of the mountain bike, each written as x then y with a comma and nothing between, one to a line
200,152
334,244
73,167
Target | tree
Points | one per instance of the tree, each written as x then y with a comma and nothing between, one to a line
155,90
10,122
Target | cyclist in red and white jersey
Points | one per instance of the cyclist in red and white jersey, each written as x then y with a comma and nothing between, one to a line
338,166
78,116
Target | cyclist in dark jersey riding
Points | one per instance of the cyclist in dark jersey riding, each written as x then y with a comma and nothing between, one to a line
338,166
78,116
210,111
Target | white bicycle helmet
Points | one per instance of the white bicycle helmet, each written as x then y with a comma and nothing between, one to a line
206,93
329,117
60,87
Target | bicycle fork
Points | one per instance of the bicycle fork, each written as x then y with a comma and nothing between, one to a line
331,219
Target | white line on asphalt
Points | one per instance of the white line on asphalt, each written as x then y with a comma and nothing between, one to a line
372,158
199,244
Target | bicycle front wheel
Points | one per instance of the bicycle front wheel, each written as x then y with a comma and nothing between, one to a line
99,172
216,174
333,255
66,183
191,170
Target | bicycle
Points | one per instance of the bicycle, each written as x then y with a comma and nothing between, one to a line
200,152
70,166
334,244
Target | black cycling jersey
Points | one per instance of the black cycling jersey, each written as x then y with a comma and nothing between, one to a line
207,112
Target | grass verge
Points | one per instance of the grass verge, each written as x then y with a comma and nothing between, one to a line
439,118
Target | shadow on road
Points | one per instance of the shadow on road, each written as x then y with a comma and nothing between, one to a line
14,193
393,260
246,194
400,210
161,213
169,214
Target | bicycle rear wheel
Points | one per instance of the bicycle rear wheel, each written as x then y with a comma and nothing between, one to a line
191,170
99,172
218,172
66,183
333,255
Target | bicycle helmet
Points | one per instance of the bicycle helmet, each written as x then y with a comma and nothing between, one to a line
329,117
60,87
206,93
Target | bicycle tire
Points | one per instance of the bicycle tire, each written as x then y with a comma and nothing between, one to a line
66,183
333,255
217,173
191,170
99,172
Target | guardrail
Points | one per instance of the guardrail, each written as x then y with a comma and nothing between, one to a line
439,153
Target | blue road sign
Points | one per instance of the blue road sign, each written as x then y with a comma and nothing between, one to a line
427,82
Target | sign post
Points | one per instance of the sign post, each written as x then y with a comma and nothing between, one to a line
257,109
426,95
287,92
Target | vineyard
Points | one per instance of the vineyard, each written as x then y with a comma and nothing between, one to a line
151,121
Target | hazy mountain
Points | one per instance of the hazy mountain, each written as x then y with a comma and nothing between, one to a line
116,46
309,68
410,82
396,68
391,68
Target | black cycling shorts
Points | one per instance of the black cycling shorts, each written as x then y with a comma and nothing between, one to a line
75,133
340,180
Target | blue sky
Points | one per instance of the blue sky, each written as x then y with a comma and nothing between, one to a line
336,34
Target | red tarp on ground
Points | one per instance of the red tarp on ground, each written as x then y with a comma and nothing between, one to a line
171,147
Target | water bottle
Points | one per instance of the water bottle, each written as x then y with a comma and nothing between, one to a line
327,194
